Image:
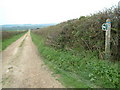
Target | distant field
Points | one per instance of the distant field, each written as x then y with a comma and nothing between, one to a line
23,26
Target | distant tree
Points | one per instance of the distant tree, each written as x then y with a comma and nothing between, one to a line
81,17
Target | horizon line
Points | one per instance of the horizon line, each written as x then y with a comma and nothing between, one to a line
29,23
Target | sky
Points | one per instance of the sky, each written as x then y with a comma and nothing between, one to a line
48,11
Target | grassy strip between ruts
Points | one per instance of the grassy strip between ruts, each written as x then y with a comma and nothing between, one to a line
7,42
78,71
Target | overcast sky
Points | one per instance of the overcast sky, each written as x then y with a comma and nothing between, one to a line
48,11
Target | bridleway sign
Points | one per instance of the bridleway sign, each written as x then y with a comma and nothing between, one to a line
104,27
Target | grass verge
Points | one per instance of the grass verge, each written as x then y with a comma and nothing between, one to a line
83,71
7,42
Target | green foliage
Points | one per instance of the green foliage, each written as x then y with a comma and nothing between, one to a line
80,71
84,34
86,31
82,17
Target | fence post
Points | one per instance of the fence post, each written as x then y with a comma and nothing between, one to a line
107,40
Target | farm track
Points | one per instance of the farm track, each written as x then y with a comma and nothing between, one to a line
22,66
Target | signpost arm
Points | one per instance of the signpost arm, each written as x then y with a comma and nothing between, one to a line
107,40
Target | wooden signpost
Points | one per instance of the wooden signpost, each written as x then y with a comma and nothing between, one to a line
107,27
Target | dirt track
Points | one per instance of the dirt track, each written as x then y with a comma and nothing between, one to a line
23,67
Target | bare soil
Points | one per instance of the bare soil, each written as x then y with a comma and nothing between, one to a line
22,66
